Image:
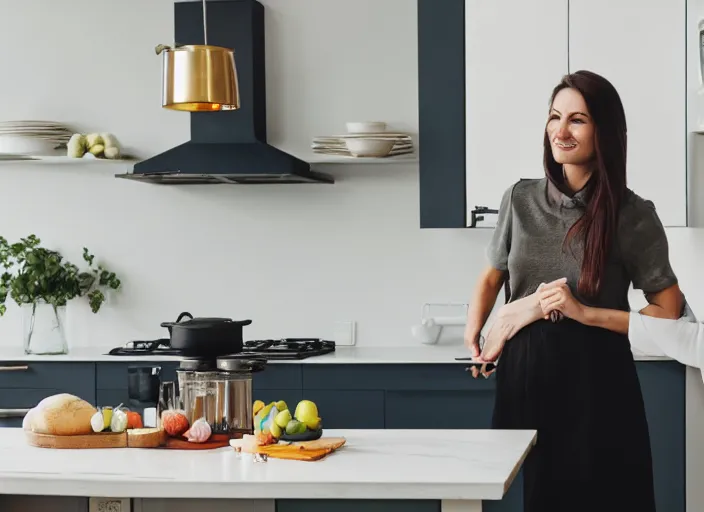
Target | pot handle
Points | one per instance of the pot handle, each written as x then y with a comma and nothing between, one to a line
184,314
180,317
243,322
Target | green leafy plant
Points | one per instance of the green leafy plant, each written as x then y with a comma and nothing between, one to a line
35,274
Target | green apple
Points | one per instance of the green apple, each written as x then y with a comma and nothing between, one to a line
294,427
281,405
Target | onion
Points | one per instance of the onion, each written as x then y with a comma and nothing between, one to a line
199,432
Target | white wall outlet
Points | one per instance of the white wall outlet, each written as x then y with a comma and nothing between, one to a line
108,504
345,333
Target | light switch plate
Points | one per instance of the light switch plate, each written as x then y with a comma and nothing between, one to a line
345,333
109,504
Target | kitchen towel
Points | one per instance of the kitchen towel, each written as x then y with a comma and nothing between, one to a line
681,339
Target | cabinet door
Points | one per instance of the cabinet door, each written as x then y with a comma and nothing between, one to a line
516,53
663,386
639,46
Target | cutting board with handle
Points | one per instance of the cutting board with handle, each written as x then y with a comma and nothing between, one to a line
300,450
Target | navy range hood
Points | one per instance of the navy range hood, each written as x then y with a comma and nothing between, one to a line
227,146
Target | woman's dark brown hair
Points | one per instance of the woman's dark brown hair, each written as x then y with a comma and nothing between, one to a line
607,185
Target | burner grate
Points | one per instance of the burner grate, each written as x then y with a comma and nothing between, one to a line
270,349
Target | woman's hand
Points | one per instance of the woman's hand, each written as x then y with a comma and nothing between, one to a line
511,318
471,340
557,296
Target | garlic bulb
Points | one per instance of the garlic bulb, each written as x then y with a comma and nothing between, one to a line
118,423
199,432
96,422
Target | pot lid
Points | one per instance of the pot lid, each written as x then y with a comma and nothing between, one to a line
236,364
197,365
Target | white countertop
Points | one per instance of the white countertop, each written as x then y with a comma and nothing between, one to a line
414,354
374,464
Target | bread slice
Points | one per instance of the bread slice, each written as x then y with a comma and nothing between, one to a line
145,437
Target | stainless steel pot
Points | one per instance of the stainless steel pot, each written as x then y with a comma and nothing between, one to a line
222,396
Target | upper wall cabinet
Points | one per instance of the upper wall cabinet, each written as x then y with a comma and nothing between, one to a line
486,72
640,47
516,52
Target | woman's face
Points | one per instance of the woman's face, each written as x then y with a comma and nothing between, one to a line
570,129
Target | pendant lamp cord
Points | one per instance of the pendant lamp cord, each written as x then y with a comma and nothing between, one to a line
205,25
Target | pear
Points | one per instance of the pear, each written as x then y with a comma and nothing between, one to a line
283,418
306,411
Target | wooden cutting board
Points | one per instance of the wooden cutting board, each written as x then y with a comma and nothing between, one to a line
302,450
99,440
181,443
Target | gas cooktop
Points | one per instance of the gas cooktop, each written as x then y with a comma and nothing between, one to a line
286,348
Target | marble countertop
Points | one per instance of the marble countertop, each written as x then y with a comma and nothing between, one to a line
414,354
374,464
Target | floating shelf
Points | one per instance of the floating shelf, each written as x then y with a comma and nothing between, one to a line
353,160
61,160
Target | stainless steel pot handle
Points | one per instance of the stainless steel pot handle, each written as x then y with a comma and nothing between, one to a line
13,413
23,368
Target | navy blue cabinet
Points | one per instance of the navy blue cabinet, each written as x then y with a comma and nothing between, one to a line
663,385
392,396
23,385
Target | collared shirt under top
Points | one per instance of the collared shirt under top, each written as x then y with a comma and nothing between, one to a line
528,242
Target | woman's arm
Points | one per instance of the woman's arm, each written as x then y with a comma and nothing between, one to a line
666,303
510,319
481,305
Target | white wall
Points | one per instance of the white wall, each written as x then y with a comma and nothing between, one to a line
294,259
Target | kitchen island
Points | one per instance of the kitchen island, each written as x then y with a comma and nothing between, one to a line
455,469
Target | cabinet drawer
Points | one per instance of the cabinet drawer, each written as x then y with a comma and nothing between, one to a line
114,375
439,377
28,398
278,376
348,409
439,409
46,375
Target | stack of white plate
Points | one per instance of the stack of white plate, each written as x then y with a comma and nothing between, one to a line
35,138
365,139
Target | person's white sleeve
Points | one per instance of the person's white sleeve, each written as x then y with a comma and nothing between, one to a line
681,340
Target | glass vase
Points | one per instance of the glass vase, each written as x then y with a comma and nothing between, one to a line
44,328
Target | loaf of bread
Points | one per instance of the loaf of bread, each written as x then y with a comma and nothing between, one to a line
60,415
145,437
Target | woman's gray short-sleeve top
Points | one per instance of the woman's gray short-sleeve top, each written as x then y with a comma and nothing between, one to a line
528,242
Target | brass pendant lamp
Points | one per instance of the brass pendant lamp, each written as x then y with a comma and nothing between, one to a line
199,78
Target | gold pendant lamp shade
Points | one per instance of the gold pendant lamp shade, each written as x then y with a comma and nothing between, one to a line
199,78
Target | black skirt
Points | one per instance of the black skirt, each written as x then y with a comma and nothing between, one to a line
578,387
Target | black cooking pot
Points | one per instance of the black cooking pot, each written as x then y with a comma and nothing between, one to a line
206,336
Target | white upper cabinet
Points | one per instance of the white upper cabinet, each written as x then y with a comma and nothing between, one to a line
639,46
516,53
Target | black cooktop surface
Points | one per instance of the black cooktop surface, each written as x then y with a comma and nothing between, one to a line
286,348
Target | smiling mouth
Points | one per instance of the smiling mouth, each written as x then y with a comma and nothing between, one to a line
564,145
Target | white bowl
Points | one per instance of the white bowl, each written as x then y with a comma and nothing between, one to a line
21,145
366,127
369,147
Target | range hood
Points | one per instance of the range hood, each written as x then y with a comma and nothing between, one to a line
227,146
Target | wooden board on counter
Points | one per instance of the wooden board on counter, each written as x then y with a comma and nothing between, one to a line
154,440
215,441
94,441
302,450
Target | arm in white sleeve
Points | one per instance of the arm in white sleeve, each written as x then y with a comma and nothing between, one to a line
681,340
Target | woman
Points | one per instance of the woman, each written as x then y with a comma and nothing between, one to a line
574,380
